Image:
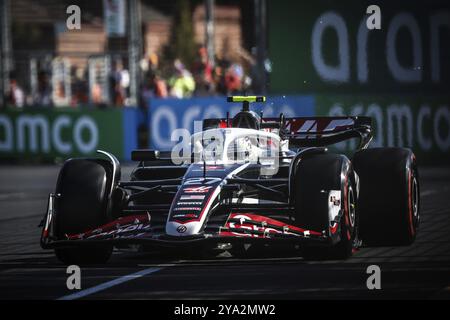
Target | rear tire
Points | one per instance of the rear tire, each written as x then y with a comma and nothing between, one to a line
322,172
82,188
389,199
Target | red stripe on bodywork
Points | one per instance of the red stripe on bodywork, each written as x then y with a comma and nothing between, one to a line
258,218
143,218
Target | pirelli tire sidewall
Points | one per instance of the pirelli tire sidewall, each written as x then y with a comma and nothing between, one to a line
315,176
349,223
389,201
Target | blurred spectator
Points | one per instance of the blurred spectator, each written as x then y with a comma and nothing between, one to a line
155,87
120,82
233,79
80,88
60,93
202,71
149,65
16,96
219,74
160,87
96,94
44,92
182,84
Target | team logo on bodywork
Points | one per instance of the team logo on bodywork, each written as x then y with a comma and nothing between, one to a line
182,229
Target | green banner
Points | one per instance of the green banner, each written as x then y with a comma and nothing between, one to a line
420,123
51,133
326,46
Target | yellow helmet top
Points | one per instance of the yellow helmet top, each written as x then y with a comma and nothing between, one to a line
246,99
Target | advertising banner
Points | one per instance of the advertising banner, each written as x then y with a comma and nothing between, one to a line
419,123
48,134
397,72
326,47
166,115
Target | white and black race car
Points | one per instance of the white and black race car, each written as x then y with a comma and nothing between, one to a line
245,181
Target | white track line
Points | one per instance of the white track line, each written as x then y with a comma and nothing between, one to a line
109,284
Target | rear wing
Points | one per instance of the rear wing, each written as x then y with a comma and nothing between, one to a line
311,131
322,131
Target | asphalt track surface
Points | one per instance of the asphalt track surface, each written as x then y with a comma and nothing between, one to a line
28,272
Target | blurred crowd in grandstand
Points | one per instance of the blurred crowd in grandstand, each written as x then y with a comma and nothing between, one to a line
202,79
56,67
160,79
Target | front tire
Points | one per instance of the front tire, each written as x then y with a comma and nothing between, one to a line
315,176
82,188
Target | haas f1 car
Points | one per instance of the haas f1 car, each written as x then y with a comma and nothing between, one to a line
243,181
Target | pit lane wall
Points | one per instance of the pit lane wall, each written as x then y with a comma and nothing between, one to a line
42,134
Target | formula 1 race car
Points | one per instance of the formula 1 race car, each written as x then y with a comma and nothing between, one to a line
240,182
